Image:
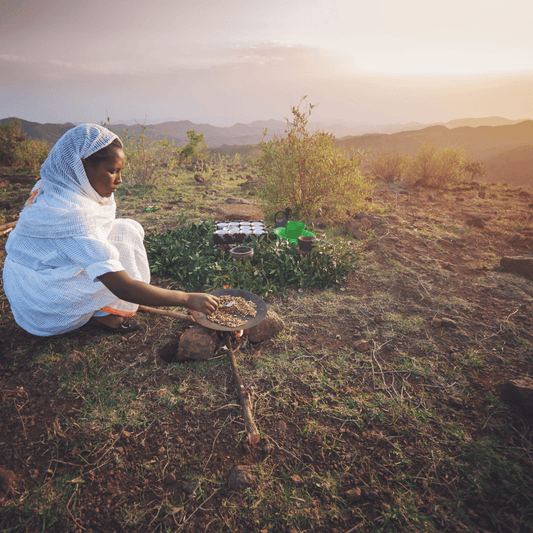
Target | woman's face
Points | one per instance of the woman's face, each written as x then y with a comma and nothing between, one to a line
106,177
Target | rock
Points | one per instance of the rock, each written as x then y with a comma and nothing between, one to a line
69,364
362,345
519,392
353,495
297,480
199,178
282,426
186,487
232,200
518,265
197,343
370,494
267,329
170,479
360,235
8,481
229,212
240,478
448,322
475,222
359,224
436,322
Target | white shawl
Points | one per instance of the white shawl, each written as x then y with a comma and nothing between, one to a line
66,203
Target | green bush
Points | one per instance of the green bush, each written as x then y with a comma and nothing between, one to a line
307,172
196,148
189,257
389,165
433,167
16,150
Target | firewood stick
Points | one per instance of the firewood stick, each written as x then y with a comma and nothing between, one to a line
164,312
4,231
249,424
6,228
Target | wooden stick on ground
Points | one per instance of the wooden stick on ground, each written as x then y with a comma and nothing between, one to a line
164,312
6,228
249,424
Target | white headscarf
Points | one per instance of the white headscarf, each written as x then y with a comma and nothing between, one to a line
66,204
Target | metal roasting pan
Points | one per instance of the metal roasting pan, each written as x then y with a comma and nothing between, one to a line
261,309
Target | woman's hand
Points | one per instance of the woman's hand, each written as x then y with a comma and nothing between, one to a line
138,292
204,303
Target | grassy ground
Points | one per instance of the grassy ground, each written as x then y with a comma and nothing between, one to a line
404,432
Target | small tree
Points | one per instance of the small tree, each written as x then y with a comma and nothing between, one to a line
195,149
307,172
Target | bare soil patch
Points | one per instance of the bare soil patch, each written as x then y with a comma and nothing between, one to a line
379,405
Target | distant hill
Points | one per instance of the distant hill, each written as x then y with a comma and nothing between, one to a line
46,132
243,134
505,146
504,150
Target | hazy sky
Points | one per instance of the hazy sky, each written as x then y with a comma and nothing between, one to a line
372,61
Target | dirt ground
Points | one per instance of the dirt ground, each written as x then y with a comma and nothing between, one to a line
422,263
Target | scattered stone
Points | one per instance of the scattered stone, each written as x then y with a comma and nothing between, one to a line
362,345
518,265
360,235
186,487
353,495
233,200
436,322
240,478
170,479
448,322
69,364
297,480
456,403
370,494
519,392
475,222
307,458
197,343
229,212
199,178
8,481
282,426
267,329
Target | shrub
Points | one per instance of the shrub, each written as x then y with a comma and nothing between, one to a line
307,172
144,155
389,165
16,150
195,149
433,167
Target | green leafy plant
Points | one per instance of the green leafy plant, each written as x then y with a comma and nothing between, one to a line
190,258
306,171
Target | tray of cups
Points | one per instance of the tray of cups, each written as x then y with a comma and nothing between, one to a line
238,231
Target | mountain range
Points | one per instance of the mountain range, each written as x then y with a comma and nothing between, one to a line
504,146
